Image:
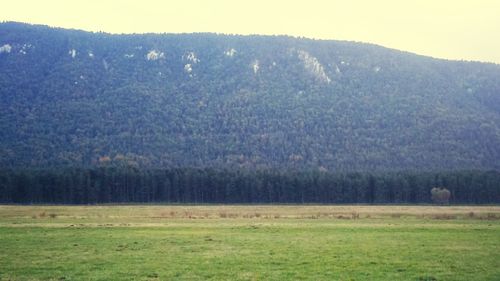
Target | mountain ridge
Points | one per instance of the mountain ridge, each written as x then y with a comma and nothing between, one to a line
57,28
82,98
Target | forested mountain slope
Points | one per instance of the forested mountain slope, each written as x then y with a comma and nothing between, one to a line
77,98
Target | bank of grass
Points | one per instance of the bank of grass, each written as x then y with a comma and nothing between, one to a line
249,243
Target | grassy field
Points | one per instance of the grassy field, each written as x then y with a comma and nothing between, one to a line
249,243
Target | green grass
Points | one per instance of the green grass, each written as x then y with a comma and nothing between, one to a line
249,243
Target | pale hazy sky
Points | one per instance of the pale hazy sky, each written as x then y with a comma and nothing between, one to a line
453,29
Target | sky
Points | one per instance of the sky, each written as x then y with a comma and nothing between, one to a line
451,29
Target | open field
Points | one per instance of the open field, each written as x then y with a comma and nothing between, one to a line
249,243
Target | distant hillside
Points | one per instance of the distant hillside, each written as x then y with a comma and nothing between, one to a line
77,98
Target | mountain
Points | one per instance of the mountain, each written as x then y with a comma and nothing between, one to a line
71,97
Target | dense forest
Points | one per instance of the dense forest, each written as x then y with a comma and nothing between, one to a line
169,101
206,118
193,185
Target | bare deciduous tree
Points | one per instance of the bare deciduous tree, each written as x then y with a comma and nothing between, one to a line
440,195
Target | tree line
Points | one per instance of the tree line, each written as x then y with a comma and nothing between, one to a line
209,185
